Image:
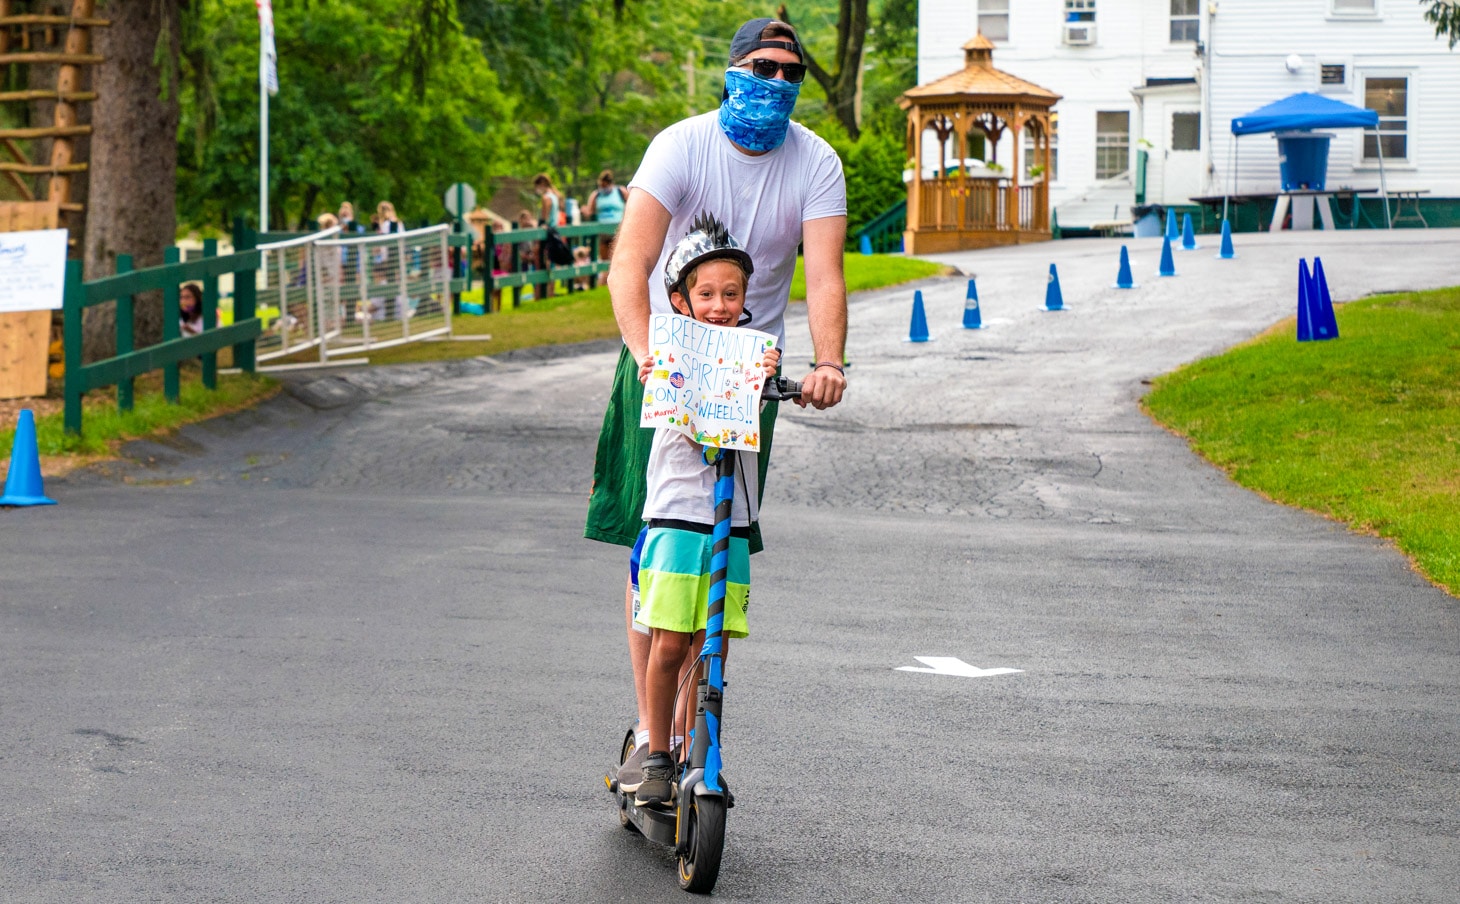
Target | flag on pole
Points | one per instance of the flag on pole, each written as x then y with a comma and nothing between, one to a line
268,56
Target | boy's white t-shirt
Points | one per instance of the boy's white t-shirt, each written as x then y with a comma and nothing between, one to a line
682,487
692,167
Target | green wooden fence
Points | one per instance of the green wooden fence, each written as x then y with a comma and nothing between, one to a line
129,362
515,278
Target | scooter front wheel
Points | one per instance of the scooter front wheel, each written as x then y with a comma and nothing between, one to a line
699,864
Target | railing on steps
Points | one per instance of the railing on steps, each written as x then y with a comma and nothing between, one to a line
884,231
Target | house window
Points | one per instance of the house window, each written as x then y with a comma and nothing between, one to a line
1079,26
1185,131
1389,97
1112,144
1355,7
1031,154
1185,20
1333,75
993,19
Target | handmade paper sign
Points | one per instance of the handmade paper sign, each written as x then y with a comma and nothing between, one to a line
32,270
706,381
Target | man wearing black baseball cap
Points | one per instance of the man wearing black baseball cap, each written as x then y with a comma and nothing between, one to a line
775,185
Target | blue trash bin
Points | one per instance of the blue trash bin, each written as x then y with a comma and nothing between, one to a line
1303,159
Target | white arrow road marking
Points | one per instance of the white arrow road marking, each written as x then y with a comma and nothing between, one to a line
952,665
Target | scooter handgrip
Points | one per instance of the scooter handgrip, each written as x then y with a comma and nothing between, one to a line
780,389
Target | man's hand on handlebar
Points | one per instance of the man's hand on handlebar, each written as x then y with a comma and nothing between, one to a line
822,388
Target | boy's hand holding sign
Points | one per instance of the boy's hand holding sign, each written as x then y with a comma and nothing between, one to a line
705,381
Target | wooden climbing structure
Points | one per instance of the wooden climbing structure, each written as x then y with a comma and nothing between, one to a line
32,39
19,45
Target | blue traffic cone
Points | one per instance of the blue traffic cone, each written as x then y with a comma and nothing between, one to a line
1054,299
919,330
1305,302
1168,263
23,486
1124,279
1171,232
972,317
1188,235
1320,303
866,245
1227,252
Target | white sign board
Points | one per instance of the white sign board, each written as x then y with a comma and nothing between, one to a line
706,381
468,199
32,270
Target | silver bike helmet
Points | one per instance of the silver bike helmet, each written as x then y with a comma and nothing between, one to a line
708,240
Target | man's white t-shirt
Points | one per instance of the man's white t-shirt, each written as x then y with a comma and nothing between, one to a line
692,167
682,487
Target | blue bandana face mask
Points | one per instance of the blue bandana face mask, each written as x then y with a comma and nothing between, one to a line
756,112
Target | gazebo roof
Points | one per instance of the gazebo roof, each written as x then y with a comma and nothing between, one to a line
978,78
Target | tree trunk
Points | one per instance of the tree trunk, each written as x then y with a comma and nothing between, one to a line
133,184
842,87
306,223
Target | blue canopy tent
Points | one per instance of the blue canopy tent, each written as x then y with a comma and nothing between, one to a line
1307,111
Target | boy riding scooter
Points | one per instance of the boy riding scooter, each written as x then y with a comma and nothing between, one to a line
706,277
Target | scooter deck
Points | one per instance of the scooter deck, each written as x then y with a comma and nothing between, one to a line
654,824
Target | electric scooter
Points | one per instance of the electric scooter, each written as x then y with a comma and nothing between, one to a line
695,828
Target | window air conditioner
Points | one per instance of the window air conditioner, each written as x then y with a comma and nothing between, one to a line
1079,33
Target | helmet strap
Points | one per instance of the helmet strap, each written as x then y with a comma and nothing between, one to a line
684,296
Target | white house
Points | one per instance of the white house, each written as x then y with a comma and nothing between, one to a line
1378,54
1167,77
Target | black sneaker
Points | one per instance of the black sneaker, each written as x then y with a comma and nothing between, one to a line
631,773
657,788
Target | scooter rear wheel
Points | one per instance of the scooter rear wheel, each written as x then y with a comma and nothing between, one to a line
699,865
623,801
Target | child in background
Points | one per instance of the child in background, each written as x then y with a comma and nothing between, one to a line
706,276
190,310
581,258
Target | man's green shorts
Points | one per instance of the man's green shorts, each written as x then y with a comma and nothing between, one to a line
616,506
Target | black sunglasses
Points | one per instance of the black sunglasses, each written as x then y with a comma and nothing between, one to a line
795,73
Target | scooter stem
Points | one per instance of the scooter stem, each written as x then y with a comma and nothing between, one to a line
705,752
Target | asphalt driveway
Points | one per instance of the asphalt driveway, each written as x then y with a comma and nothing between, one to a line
349,646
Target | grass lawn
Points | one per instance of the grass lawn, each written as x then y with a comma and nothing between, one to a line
1364,429
582,316
104,427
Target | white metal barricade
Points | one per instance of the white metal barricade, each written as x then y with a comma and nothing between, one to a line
376,291
286,297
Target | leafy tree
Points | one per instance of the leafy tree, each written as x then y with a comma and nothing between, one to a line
1445,16
593,85
843,86
347,124
873,167
891,67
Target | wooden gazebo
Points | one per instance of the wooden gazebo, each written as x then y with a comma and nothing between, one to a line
963,206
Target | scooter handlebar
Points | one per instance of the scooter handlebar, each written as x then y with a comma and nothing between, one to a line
780,389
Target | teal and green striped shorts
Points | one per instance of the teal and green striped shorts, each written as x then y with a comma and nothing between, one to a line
674,581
